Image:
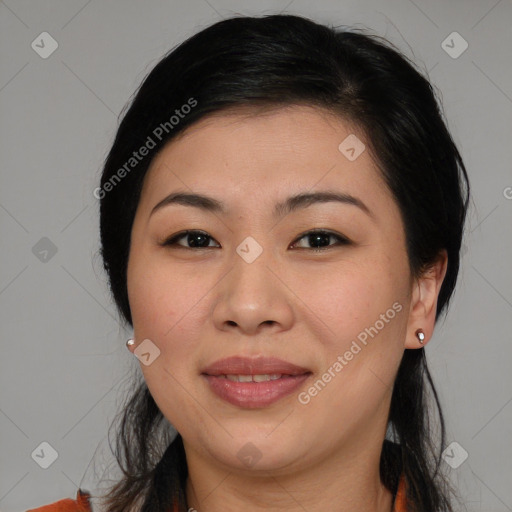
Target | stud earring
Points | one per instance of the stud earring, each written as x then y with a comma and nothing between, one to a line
130,343
420,335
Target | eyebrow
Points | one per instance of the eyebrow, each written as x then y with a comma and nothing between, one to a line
292,203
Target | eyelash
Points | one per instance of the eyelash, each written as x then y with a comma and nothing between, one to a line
340,239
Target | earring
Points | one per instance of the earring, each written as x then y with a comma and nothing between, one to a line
130,343
420,335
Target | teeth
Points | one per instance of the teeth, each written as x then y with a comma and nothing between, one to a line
253,378
260,378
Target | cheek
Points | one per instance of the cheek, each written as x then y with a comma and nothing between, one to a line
365,312
153,310
362,329
345,301
167,305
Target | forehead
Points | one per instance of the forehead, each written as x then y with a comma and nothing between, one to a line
266,153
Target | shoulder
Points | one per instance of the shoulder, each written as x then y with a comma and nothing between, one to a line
80,504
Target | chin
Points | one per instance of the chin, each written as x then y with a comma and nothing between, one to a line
258,452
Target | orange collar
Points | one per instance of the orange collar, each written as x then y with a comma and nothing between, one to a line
401,497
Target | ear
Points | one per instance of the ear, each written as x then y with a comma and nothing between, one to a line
425,291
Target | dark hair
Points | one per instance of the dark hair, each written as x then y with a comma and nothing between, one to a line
274,61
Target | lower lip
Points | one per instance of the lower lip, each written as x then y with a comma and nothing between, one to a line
253,395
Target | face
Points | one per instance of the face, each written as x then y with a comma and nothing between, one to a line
327,326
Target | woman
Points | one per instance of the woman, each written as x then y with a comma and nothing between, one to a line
281,218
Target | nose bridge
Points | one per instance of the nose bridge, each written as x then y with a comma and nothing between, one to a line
250,280
251,295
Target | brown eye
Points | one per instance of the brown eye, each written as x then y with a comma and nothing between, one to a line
319,240
194,238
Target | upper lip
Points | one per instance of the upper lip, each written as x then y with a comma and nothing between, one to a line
238,365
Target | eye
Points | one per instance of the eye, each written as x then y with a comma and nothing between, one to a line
320,237
197,239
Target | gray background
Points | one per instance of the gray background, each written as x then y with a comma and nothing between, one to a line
64,364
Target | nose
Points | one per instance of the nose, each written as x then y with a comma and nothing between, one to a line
253,297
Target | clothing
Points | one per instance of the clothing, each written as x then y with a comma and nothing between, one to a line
81,504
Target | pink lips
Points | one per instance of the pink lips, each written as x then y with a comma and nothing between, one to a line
254,394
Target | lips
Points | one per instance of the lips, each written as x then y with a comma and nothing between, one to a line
253,366
254,382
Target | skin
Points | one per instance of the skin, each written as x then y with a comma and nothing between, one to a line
200,305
